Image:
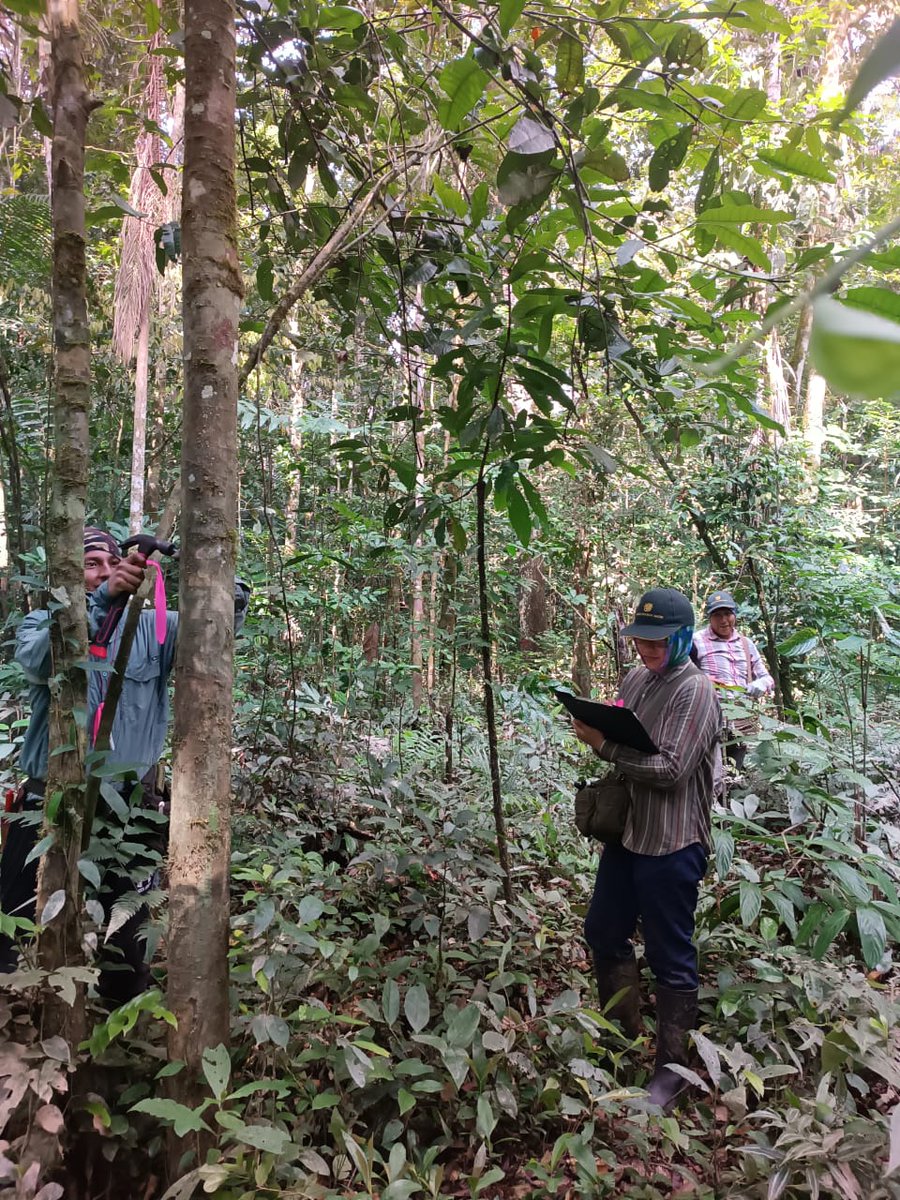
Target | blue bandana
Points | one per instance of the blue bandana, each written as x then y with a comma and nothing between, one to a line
679,648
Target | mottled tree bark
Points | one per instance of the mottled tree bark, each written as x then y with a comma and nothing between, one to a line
60,942
201,777
534,619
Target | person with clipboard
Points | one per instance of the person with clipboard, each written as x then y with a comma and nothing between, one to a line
653,873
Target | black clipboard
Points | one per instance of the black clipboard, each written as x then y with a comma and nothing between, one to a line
618,724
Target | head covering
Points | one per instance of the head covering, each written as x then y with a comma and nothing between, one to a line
660,613
679,648
98,540
720,599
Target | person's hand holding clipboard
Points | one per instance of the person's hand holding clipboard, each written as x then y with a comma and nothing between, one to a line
611,721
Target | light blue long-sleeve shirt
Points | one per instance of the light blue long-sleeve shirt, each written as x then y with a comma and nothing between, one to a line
142,717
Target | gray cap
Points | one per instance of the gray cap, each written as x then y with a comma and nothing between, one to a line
720,599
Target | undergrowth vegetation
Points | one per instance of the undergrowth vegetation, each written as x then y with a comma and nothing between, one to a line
401,1030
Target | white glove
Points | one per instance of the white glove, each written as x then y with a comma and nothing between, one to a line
756,688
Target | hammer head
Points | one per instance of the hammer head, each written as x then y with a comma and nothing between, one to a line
146,544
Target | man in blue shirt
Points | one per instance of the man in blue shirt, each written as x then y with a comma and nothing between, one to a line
138,736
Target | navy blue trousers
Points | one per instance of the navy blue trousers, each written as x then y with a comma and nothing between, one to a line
660,890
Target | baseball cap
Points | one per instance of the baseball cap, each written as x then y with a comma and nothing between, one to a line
720,599
660,613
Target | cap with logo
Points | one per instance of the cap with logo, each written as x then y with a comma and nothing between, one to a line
660,613
720,599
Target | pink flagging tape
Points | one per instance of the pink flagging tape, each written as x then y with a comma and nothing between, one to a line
159,601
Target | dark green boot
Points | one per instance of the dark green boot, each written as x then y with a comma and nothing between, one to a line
676,1016
613,975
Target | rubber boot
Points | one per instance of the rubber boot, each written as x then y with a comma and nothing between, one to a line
676,1016
612,975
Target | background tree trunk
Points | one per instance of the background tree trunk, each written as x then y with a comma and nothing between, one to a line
201,783
60,942
533,617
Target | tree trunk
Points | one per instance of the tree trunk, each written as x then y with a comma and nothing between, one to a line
487,674
582,649
58,876
814,417
533,618
139,428
200,835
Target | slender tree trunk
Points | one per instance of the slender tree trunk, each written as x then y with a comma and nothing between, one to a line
139,429
582,650
58,876
204,668
487,672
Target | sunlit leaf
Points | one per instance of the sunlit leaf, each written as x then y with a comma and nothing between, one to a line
796,162
858,352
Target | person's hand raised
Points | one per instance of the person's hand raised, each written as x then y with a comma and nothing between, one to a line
126,576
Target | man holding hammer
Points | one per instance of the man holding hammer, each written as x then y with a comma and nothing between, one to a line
138,737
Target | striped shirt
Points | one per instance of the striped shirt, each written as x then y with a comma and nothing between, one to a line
733,660
672,791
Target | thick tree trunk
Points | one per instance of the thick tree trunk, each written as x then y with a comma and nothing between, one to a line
533,618
200,836
58,877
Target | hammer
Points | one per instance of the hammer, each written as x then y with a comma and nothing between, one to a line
144,544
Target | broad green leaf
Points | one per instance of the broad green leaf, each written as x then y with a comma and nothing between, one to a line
751,901
801,641
309,909
529,137
217,1069
750,247
340,16
745,105
872,935
265,280
687,47
708,181
262,1137
263,917
485,1120
450,197
757,15
523,178
741,214
89,871
417,1007
182,1119
858,352
796,162
569,64
463,1025
519,514
604,161
668,157
508,13
390,1001
882,61
54,906
828,931
875,299
463,82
